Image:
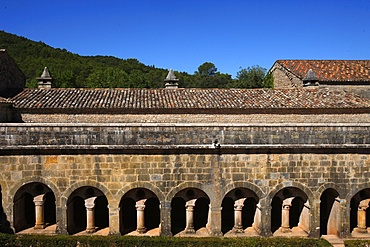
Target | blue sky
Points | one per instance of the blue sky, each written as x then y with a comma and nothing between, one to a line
183,34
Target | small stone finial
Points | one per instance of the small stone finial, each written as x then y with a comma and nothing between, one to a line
45,80
310,79
171,80
45,73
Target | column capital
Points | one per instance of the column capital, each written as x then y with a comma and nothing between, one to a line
190,203
140,207
39,199
364,204
90,203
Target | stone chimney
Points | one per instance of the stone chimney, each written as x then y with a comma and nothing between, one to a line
45,81
171,80
310,79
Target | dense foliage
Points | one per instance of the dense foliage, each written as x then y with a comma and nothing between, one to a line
72,70
357,243
115,241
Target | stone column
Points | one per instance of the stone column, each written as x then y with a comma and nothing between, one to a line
113,220
90,217
214,224
238,217
214,221
287,203
190,216
361,216
39,211
140,219
165,225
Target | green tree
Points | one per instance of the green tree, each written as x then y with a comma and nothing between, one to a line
107,78
208,77
268,81
206,69
251,77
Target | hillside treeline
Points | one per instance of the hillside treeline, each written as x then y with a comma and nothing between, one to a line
70,70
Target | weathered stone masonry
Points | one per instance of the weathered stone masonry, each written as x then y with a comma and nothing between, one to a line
264,166
189,162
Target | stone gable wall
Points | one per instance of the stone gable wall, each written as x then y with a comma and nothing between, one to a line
12,79
284,78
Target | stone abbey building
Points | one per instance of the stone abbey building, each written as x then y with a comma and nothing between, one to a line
185,162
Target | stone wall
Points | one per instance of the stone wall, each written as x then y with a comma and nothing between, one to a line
196,118
165,159
166,174
12,79
284,78
177,136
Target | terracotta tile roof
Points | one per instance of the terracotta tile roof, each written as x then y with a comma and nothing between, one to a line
187,99
3,100
330,70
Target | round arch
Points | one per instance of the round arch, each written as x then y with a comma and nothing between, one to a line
297,210
353,202
189,196
29,180
29,214
326,186
183,186
87,210
300,186
229,187
355,190
136,185
3,183
87,183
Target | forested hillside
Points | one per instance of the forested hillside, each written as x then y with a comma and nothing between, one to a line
72,70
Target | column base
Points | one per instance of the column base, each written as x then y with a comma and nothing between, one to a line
141,230
90,230
285,229
237,230
360,230
189,231
36,227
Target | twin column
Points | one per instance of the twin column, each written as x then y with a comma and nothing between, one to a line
361,216
287,203
39,211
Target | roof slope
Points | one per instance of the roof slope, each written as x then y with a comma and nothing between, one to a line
330,70
187,99
5,101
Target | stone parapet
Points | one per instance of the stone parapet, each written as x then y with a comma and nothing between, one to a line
182,136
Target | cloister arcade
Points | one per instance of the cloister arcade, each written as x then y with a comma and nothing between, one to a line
360,212
241,212
289,211
139,212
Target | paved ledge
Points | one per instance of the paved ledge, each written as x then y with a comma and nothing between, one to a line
184,125
184,147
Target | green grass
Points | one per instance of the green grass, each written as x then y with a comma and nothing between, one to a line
126,241
357,243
